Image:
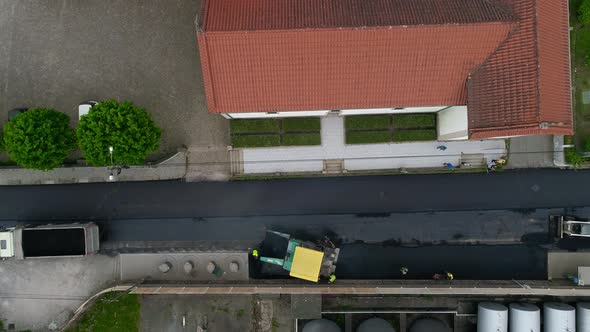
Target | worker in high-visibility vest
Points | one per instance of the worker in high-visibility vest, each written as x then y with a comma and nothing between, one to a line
255,253
332,278
450,276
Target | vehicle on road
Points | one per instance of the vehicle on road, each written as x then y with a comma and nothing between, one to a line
23,242
304,260
15,112
568,226
84,107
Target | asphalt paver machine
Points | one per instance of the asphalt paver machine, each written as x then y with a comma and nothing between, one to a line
304,260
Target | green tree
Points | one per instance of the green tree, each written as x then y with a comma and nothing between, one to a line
39,139
127,128
587,144
584,12
2,148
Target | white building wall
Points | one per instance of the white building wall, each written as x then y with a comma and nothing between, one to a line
452,123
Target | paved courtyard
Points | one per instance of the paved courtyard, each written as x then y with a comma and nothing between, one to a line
359,157
57,53
40,294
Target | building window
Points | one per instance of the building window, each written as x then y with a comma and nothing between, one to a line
3,244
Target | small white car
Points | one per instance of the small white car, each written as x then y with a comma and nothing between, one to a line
84,107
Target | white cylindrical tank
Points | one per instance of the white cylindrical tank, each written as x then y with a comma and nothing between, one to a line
559,317
524,317
583,317
492,317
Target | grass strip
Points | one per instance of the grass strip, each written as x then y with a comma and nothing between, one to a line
366,137
416,120
302,139
113,312
367,122
254,125
414,135
301,124
255,141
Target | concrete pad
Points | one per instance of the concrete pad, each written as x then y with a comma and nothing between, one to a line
38,292
306,306
586,97
210,313
560,263
142,266
531,152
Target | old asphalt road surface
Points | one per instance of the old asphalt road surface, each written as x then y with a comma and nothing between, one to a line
339,195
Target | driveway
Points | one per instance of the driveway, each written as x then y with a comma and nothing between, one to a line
57,53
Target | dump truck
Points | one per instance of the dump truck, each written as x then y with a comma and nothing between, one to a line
303,259
58,240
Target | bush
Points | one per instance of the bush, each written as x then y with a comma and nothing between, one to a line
127,128
587,144
2,147
39,139
574,158
584,12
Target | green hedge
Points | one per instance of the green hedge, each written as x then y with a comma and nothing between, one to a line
302,139
261,129
252,141
254,125
302,124
414,135
366,137
414,120
368,122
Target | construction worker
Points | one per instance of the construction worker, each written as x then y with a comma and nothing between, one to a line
332,278
255,253
450,276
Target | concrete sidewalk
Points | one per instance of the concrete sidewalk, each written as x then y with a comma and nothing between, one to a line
378,287
531,152
172,168
359,157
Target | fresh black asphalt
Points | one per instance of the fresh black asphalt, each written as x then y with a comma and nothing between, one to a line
477,262
176,211
339,195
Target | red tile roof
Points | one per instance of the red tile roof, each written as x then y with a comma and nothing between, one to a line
526,83
287,55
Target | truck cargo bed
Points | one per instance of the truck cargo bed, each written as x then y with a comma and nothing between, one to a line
53,242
